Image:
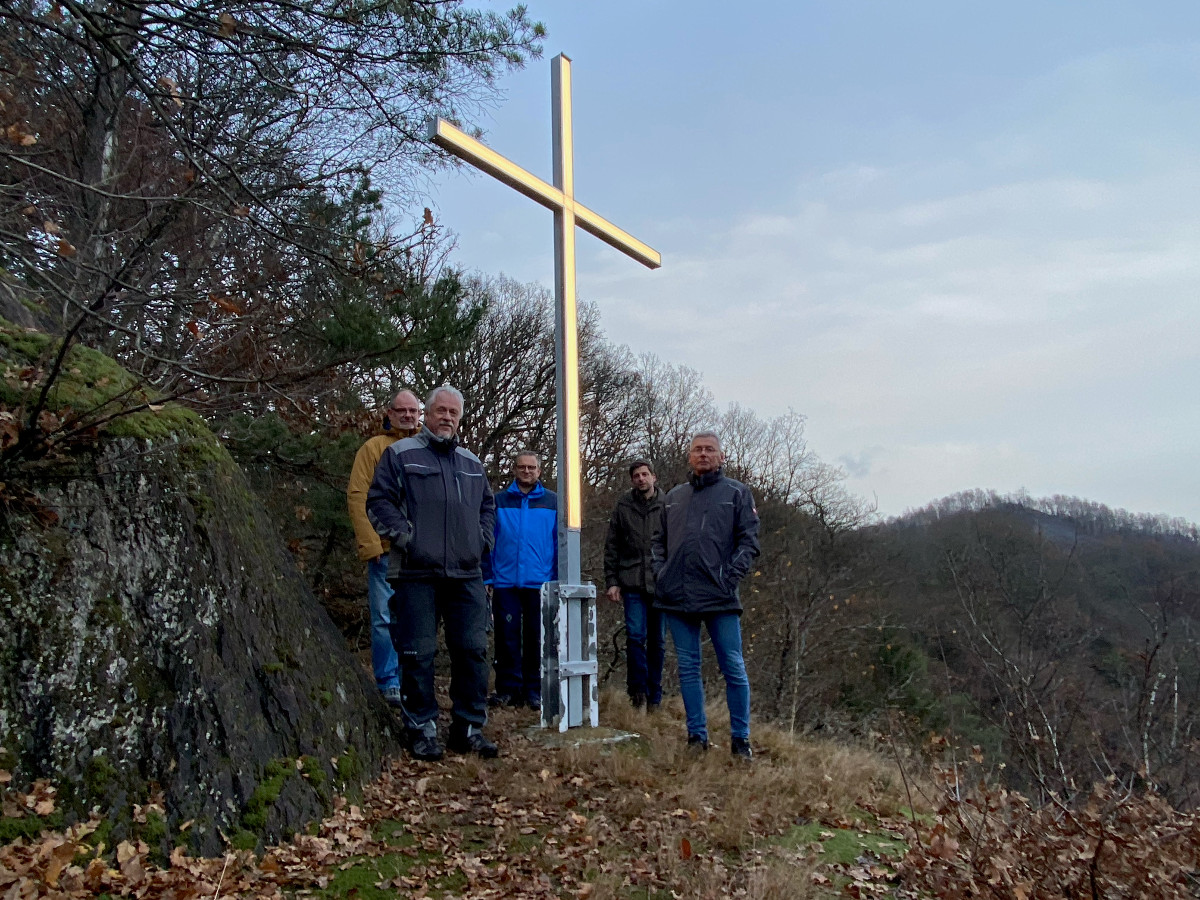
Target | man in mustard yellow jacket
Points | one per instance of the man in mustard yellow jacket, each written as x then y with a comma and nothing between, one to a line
401,419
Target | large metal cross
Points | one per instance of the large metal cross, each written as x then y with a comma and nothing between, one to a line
560,198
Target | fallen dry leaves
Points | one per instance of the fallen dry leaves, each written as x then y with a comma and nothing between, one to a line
996,843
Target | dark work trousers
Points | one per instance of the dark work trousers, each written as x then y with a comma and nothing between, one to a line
645,643
462,605
518,619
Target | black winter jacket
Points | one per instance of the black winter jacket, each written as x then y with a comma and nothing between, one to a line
431,499
708,541
634,522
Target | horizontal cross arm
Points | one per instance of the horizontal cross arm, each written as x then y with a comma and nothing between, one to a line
616,237
466,147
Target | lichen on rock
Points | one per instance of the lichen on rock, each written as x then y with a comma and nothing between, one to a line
156,635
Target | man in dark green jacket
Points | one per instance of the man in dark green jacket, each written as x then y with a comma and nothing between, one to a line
629,577
708,543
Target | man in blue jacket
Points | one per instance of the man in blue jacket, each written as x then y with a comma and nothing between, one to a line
525,556
708,541
430,498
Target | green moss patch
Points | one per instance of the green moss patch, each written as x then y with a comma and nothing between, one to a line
92,388
28,826
275,773
349,766
243,840
310,768
844,846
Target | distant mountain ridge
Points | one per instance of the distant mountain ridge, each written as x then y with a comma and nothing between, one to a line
1089,516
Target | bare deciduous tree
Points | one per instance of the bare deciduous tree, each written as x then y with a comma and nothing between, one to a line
186,186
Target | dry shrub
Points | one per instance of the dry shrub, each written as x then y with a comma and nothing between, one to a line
1117,845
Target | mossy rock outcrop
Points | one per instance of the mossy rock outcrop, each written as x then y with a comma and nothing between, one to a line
156,636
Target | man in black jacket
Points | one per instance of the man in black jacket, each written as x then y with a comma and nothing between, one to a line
431,499
628,576
708,542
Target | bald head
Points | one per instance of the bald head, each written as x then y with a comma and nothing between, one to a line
405,413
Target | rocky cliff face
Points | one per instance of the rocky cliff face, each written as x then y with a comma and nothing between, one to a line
156,638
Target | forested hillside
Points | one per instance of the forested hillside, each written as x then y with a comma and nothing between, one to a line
1067,631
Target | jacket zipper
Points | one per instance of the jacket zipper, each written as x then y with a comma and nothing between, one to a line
446,517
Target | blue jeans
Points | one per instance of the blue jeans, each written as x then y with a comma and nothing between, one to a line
518,619
383,652
725,629
645,643
462,606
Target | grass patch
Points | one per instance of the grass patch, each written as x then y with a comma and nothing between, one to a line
393,833
372,878
843,846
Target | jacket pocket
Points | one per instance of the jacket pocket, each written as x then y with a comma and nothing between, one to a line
470,489
669,583
424,503
422,484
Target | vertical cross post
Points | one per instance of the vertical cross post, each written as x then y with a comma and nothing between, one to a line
569,662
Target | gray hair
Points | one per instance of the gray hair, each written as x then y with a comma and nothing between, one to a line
706,434
536,456
445,389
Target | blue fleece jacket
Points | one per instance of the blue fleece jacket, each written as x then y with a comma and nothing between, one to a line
526,550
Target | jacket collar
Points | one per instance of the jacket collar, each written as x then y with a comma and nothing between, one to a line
635,496
395,434
440,444
536,491
700,482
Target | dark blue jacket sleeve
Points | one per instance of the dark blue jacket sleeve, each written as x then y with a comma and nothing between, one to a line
489,574
487,522
386,507
745,535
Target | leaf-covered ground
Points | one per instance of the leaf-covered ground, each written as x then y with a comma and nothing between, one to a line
638,818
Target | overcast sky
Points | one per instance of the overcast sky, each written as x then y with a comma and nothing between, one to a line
962,239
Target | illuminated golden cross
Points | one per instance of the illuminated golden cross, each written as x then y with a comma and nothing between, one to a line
559,197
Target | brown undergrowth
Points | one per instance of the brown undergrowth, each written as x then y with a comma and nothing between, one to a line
1117,845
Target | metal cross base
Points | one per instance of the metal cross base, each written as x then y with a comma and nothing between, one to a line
570,668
